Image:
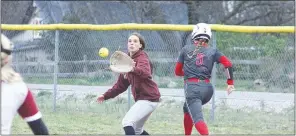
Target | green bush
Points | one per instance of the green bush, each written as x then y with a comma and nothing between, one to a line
44,94
164,69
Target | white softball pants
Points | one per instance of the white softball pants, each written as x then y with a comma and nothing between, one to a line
138,115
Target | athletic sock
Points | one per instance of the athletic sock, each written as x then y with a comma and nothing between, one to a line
202,128
188,124
129,130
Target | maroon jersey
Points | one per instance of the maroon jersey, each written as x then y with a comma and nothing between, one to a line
142,85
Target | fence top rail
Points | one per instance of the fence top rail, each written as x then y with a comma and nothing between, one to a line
158,27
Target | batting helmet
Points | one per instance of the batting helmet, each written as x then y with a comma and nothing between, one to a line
201,31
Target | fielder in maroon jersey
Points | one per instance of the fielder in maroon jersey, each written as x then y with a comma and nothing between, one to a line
144,89
195,63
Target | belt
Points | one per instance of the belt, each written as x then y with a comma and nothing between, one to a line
196,80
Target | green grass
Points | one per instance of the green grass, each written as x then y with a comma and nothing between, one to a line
70,81
241,85
75,116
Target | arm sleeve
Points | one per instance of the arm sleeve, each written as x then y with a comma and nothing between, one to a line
179,69
181,57
220,58
120,86
143,68
179,65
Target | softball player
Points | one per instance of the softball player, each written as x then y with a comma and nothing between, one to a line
195,63
16,97
144,89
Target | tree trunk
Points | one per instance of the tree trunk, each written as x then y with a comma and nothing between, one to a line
192,18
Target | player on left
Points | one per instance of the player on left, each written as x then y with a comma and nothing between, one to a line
16,97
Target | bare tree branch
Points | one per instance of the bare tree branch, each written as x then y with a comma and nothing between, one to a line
131,5
233,12
258,4
287,20
89,6
253,19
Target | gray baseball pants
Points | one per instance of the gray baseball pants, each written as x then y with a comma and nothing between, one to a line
139,114
196,95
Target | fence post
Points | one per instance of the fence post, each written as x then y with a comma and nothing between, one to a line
214,76
129,97
85,65
56,68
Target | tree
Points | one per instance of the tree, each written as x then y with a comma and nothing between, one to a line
255,13
152,12
260,13
193,18
74,45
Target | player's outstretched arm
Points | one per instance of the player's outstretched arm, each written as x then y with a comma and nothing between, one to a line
119,87
30,113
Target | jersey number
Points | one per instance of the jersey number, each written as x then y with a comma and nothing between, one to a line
199,59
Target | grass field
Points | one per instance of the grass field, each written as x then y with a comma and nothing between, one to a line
163,82
75,116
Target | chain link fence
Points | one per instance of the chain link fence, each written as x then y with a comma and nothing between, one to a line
67,64
64,71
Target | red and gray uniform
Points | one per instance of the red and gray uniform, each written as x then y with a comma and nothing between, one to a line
17,98
197,69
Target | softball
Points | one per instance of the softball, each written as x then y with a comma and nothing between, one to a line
103,52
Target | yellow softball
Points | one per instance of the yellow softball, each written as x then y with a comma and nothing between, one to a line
103,52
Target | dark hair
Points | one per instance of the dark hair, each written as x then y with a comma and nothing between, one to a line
141,39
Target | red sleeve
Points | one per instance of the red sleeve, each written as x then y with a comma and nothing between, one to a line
229,81
120,86
142,68
29,110
225,61
179,69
